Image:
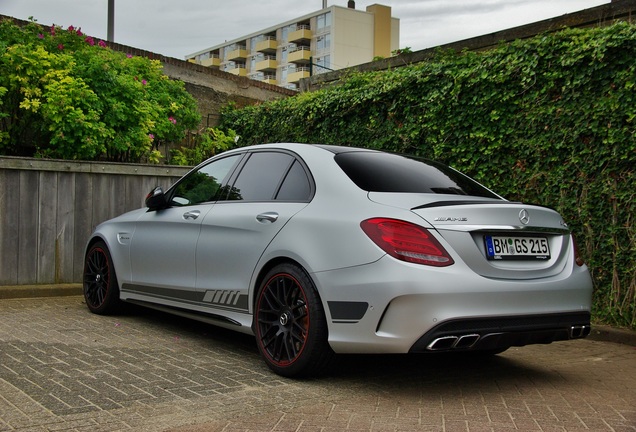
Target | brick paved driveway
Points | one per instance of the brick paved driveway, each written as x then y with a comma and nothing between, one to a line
62,368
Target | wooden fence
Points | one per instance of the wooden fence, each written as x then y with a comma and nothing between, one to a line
49,208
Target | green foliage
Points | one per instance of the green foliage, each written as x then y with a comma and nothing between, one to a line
405,50
548,120
209,143
65,95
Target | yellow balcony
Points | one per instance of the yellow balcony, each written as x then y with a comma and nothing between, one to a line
298,75
303,33
239,71
212,61
299,56
237,54
266,65
270,79
266,46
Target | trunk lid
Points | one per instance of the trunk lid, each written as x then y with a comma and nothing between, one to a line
495,238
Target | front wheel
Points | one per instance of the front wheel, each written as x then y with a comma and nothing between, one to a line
101,290
290,325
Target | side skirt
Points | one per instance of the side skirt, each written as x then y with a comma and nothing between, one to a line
206,317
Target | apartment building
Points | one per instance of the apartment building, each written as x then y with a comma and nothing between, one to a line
332,38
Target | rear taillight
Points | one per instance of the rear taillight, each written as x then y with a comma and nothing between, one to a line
577,257
406,241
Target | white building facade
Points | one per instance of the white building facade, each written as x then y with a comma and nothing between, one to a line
329,39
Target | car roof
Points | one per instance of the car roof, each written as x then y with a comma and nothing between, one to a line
332,148
336,149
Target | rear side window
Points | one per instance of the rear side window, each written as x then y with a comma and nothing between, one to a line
269,176
296,186
385,172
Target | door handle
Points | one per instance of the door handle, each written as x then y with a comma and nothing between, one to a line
191,214
267,217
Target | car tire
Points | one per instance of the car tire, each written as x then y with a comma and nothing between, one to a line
290,325
101,291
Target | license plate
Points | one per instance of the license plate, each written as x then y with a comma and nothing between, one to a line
512,247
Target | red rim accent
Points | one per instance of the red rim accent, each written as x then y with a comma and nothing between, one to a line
282,320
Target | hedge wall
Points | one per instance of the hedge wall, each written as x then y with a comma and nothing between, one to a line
547,120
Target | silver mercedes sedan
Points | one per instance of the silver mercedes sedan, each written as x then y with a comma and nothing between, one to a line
318,250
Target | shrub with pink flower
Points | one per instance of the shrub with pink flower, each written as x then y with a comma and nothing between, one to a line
88,101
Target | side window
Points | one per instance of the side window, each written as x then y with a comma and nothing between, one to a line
261,176
204,184
296,186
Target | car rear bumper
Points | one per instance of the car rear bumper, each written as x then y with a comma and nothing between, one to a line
492,334
401,308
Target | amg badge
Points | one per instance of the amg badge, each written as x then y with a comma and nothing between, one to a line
451,219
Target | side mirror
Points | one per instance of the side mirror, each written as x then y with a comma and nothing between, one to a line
156,199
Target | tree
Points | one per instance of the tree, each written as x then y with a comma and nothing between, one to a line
65,95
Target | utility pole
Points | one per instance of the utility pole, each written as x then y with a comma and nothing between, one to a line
110,34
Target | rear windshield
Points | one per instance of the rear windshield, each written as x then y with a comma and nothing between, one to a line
385,172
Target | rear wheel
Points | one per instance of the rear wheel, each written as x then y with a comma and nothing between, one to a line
101,290
290,325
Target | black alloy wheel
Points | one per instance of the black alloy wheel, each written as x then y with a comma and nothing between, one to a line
101,291
290,325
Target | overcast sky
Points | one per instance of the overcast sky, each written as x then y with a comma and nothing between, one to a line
178,28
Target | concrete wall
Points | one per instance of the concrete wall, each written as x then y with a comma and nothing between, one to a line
352,37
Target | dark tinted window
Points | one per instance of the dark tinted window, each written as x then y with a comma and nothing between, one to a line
261,176
384,172
296,186
204,184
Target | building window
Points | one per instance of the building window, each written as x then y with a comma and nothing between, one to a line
287,30
323,42
323,21
322,64
286,50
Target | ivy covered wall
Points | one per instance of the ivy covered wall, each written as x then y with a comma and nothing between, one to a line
548,120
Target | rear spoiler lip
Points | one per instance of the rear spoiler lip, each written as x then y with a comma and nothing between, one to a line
465,202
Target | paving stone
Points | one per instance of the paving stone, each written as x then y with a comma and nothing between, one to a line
62,368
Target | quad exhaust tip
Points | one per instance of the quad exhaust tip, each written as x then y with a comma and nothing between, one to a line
453,342
580,331
468,341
